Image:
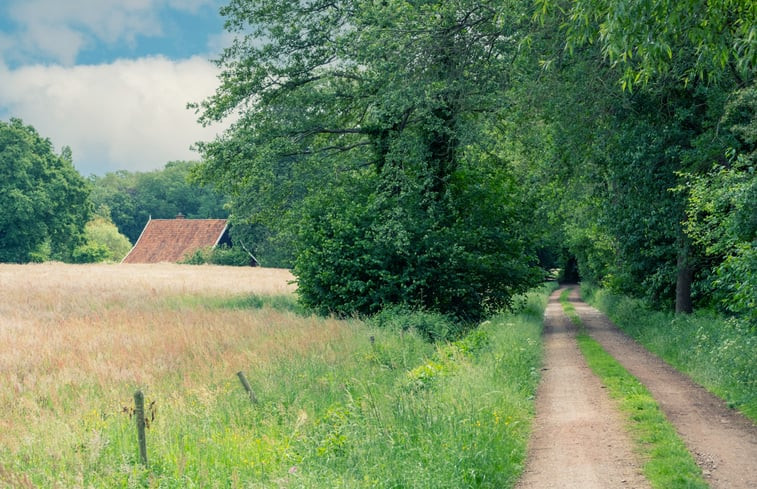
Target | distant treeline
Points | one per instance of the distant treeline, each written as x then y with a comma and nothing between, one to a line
130,198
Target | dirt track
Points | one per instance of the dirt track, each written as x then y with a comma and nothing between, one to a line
579,440
723,441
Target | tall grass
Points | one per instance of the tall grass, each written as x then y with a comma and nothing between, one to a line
459,419
336,409
717,352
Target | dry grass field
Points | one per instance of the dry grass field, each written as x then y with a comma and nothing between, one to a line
77,340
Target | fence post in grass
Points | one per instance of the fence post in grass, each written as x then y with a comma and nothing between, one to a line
247,387
139,414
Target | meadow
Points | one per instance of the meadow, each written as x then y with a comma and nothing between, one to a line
340,403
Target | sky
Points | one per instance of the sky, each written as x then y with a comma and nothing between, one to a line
111,78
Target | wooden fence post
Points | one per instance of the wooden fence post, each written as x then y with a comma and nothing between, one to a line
139,414
247,387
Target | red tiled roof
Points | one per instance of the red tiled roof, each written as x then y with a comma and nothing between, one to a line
170,240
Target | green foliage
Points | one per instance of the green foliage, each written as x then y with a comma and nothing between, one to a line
359,255
716,352
44,201
365,142
648,40
103,242
618,153
90,253
721,213
219,255
132,197
722,218
429,325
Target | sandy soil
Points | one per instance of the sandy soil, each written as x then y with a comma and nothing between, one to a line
723,441
578,439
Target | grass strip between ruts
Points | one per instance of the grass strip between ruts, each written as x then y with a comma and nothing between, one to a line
667,462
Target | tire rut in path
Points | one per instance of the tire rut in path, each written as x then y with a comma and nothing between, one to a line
722,440
578,440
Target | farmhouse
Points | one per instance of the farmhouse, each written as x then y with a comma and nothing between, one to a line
171,240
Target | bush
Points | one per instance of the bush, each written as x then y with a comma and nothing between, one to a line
430,325
90,253
221,255
466,256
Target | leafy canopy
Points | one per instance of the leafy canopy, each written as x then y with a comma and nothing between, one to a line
647,39
44,200
364,139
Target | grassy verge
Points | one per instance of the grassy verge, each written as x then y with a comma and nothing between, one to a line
668,464
460,419
341,403
718,353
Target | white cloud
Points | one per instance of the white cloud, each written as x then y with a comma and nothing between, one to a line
130,114
218,42
59,30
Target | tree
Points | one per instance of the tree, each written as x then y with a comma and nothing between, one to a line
721,211
103,241
362,125
44,201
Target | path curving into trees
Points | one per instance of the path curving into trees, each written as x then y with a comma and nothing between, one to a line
723,441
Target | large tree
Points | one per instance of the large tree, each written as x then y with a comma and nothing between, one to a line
44,200
366,135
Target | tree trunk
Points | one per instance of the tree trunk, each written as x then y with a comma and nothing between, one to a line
684,279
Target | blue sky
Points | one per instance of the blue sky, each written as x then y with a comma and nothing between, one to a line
111,78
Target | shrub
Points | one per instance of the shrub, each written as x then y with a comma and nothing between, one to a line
220,255
464,254
432,326
90,253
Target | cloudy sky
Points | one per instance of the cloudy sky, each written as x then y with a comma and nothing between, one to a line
111,78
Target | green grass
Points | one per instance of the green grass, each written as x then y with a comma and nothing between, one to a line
393,412
570,311
717,352
667,462
459,419
282,302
